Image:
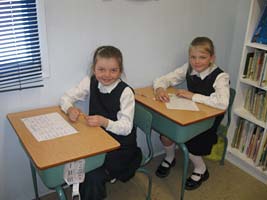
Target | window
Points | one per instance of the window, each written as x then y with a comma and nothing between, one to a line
20,54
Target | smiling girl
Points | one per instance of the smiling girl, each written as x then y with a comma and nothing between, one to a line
207,84
111,107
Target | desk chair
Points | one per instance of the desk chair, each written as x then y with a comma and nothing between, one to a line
222,129
143,120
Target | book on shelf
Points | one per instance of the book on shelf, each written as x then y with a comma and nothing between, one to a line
263,157
256,103
259,66
252,128
248,99
238,129
247,68
264,110
260,33
243,136
251,141
260,105
263,76
254,64
262,150
255,67
257,145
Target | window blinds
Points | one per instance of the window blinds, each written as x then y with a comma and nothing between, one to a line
20,59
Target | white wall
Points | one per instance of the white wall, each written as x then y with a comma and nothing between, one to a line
153,36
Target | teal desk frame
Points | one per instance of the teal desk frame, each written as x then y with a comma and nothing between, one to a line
53,177
47,158
179,134
172,125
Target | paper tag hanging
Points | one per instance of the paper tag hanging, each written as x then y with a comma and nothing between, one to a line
74,172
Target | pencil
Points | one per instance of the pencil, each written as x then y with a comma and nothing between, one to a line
82,114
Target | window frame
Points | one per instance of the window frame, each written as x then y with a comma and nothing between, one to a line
41,17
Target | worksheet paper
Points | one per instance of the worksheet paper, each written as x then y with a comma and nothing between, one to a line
48,126
180,103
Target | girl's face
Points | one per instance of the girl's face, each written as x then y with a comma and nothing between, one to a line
107,70
200,59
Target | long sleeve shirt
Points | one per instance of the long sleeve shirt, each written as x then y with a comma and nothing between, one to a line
218,99
124,124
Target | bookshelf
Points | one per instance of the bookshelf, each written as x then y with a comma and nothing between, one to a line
248,129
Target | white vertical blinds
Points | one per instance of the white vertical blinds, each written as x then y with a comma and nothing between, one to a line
20,58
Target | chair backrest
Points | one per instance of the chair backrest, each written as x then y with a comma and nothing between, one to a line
229,109
143,120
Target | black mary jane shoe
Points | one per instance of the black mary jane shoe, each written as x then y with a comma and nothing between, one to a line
162,171
191,184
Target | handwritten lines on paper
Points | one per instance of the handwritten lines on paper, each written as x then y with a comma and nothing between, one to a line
180,103
48,126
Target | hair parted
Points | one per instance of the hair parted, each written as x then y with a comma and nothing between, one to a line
108,52
205,43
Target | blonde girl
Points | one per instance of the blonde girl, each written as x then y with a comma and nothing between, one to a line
207,84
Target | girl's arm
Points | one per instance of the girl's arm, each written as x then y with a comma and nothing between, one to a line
76,93
220,98
124,124
171,79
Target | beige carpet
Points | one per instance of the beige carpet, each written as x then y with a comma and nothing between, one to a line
225,183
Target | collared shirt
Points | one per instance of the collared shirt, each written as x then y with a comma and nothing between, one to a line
218,99
124,124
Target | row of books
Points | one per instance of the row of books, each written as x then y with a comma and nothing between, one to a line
256,103
251,140
256,67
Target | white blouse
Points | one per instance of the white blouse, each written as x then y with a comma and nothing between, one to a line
218,99
124,124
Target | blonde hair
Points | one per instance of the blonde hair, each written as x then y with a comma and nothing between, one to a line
203,42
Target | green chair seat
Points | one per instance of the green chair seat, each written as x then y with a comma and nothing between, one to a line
219,150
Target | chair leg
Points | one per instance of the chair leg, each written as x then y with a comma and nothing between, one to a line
34,180
224,149
60,193
144,171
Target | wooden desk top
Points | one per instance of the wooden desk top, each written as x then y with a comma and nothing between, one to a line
146,97
87,142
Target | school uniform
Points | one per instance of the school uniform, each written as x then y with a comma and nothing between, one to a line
211,87
112,103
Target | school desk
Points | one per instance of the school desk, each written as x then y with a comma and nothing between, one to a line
178,125
47,158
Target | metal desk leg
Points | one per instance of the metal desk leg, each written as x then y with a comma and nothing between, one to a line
186,158
34,180
60,193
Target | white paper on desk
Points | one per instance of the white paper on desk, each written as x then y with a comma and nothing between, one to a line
180,103
48,126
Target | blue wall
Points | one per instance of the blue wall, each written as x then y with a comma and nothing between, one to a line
154,38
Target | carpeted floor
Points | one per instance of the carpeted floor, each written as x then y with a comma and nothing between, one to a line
225,183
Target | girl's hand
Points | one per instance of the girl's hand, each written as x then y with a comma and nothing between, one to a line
184,93
161,95
96,120
73,113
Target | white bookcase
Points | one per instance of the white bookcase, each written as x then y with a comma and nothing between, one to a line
234,155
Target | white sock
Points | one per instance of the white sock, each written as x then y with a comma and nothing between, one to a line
170,154
199,166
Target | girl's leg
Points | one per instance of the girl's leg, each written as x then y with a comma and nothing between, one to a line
199,166
169,148
169,160
94,185
199,174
